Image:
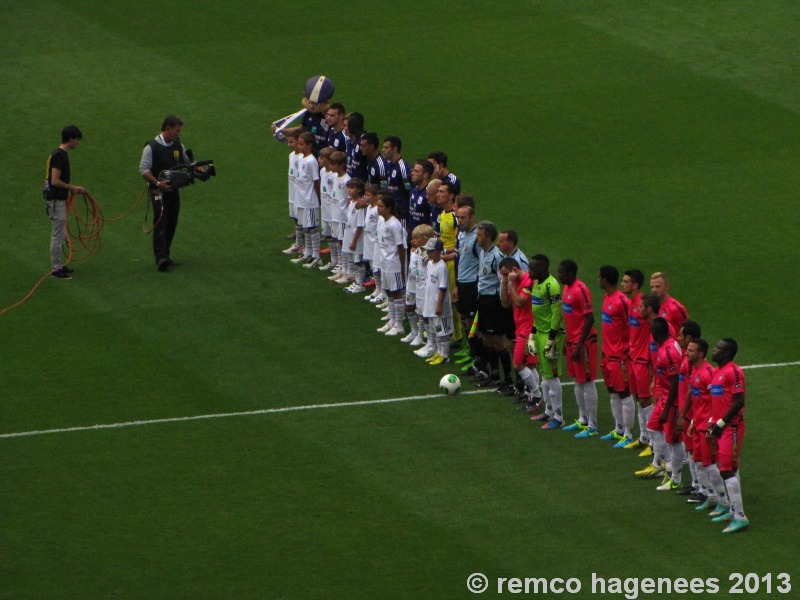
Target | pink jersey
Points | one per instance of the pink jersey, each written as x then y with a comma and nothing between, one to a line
684,374
638,331
523,315
614,313
727,381
675,314
667,365
576,302
701,378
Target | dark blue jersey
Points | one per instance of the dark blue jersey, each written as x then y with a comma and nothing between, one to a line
399,184
337,141
419,209
450,178
315,123
378,172
356,162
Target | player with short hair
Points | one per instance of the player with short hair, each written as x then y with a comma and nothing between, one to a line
307,200
672,310
335,119
377,166
437,309
580,347
548,319
398,178
663,422
419,207
639,354
371,251
339,201
326,179
392,245
515,294
353,243
440,171
356,161
294,156
726,427
615,362
689,331
446,225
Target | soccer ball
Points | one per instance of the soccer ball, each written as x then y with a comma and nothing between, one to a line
449,385
319,89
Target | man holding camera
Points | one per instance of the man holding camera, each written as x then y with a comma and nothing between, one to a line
164,152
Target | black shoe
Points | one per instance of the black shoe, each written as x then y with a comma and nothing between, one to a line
506,389
163,264
685,490
173,263
490,382
60,274
479,377
698,499
66,269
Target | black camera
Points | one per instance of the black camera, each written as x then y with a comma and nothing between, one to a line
184,175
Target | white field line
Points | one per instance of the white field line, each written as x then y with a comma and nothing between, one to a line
269,411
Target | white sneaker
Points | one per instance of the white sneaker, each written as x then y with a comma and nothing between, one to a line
369,297
385,318
385,308
379,299
409,338
326,267
341,279
293,249
395,331
355,289
384,329
425,352
299,259
316,263
417,341
333,277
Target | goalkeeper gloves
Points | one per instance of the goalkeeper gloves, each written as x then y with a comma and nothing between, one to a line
532,344
550,350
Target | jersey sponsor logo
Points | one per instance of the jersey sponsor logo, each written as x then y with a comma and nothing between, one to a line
653,347
606,318
537,300
567,308
633,322
717,390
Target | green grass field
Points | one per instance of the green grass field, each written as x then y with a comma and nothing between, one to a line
660,136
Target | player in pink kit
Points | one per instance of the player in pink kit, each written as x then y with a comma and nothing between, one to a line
515,292
726,426
712,487
639,354
663,422
580,348
615,347
689,331
672,310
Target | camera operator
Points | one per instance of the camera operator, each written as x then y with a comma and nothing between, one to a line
160,154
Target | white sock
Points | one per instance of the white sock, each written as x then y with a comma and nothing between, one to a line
548,402
531,379
735,496
590,397
556,399
399,312
361,272
616,411
678,452
644,417
443,345
413,322
717,484
314,242
660,447
693,471
581,402
628,411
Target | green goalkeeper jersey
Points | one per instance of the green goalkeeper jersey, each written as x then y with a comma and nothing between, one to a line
547,312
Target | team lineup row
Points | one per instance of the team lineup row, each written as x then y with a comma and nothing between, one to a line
461,274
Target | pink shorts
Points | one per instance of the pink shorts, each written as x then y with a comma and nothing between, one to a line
521,356
729,447
639,379
702,451
669,428
585,369
615,374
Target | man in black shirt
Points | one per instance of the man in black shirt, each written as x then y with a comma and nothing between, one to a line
57,189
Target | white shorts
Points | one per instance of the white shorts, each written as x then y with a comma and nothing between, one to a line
307,218
292,210
411,298
442,326
392,282
337,230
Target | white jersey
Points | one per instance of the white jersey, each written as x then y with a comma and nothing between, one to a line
421,277
355,219
437,278
325,179
339,198
370,232
413,271
391,235
307,174
293,157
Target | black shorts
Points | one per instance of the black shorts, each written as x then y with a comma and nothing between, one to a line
467,299
491,315
510,326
